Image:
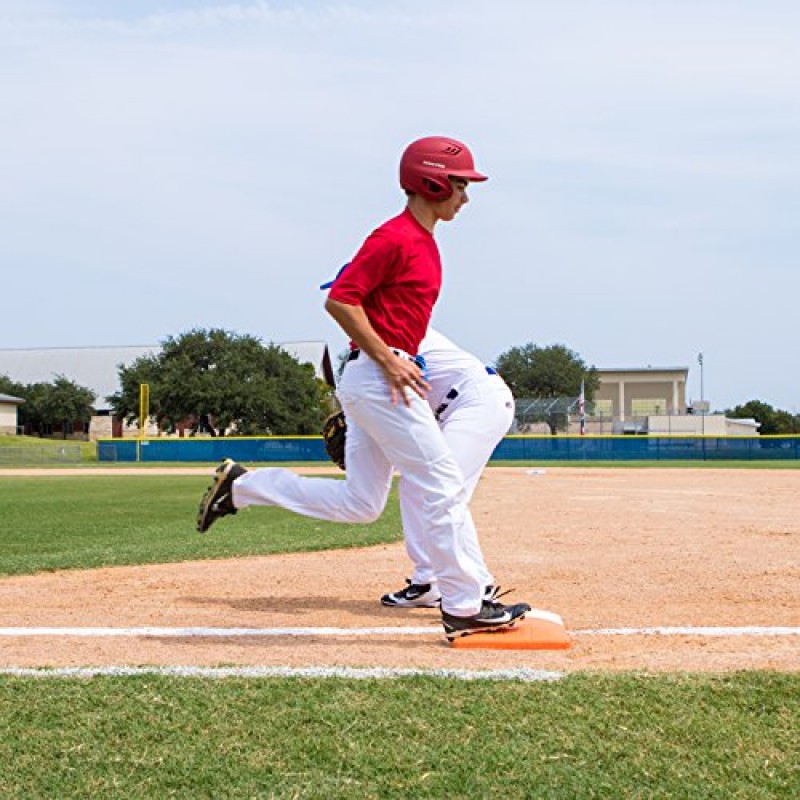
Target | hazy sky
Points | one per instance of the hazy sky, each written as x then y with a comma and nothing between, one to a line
169,165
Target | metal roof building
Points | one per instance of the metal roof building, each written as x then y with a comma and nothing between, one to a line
97,368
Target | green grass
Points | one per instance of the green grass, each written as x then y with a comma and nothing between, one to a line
32,441
93,521
588,736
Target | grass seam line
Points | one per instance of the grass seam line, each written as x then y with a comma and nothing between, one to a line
523,674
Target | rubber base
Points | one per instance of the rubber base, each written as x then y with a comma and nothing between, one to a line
540,630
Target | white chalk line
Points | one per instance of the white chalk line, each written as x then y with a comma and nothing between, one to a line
356,673
747,630
202,632
221,632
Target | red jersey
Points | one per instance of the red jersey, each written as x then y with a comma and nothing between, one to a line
396,277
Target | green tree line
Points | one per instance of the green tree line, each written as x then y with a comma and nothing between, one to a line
773,421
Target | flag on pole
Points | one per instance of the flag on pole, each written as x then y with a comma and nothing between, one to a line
582,408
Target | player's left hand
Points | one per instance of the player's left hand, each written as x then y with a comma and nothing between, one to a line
334,435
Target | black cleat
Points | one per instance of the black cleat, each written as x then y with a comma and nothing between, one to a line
493,617
218,500
415,595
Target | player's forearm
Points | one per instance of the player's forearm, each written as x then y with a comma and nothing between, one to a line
354,322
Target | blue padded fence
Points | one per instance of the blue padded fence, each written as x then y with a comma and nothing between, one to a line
647,448
267,448
512,448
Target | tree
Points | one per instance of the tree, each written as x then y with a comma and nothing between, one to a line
67,402
554,371
61,402
233,380
773,421
7,386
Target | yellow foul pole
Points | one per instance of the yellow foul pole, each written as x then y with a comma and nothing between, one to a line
144,408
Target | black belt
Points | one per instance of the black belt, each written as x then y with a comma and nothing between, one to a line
418,360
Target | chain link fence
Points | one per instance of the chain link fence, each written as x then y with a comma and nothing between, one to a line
534,415
543,415
106,451
33,455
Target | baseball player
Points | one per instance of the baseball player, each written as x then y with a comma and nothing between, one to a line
383,302
474,408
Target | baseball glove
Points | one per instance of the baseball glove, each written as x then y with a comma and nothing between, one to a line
334,434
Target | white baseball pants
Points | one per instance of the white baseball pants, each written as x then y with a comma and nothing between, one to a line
472,424
381,436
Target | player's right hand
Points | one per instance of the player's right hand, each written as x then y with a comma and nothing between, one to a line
401,375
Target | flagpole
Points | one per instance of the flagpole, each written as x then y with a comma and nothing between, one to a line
582,408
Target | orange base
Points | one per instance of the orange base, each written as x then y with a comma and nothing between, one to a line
540,630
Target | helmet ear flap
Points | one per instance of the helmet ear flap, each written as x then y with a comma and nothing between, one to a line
436,188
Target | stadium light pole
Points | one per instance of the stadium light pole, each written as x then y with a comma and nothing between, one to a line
702,396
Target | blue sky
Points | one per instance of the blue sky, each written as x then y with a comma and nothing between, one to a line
169,165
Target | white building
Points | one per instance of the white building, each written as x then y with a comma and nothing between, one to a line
9,407
652,400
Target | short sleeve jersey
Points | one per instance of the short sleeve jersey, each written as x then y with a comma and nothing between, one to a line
396,277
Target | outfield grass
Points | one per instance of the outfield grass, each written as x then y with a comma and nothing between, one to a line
94,521
587,736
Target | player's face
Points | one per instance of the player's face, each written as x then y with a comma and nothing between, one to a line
447,209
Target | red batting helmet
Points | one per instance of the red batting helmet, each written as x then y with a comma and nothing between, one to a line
427,164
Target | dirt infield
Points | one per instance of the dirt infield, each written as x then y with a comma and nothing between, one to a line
604,548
